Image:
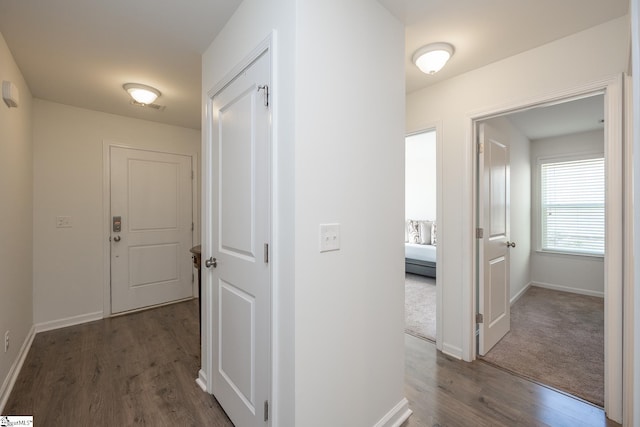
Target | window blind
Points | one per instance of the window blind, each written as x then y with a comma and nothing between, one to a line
572,206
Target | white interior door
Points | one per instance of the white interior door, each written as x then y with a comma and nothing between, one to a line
240,234
493,217
151,203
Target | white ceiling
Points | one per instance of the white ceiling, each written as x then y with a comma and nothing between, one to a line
575,116
487,31
81,52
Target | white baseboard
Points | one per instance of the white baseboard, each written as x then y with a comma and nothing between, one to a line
517,296
568,289
396,416
202,380
452,351
69,321
12,376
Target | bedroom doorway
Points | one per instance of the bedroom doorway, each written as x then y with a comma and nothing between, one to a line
556,226
421,236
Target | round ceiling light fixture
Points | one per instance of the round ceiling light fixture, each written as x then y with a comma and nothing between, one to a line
432,57
142,94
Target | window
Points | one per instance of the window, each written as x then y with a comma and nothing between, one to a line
572,205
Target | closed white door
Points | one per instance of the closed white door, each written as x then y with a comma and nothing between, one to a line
151,228
493,213
240,194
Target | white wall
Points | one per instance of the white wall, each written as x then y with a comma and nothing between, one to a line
68,179
349,170
520,197
420,176
16,215
573,273
338,157
581,58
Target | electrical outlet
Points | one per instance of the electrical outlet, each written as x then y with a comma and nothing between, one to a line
6,341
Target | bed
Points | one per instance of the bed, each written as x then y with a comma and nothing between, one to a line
420,259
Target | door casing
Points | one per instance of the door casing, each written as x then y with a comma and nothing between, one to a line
615,195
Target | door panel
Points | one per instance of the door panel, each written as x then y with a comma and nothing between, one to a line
150,260
493,217
240,229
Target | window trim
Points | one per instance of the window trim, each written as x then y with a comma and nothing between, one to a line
537,195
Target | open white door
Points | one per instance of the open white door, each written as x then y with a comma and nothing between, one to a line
493,250
151,228
238,258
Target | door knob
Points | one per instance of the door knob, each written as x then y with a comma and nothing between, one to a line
511,244
211,262
116,239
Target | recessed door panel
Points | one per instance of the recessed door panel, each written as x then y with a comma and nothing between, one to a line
237,175
153,195
153,264
235,332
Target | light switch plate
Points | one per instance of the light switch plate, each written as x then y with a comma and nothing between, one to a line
63,222
329,237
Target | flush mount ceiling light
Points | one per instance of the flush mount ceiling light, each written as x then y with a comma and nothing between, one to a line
142,94
432,57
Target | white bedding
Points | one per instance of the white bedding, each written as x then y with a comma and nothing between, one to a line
420,252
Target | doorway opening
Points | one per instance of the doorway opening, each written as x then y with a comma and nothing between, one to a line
421,235
556,232
610,92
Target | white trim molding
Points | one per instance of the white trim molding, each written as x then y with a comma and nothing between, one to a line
562,288
612,88
396,416
16,367
521,292
68,321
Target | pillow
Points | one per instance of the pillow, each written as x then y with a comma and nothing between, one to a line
425,228
413,231
406,230
433,234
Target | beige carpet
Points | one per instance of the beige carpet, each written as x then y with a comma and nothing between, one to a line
557,339
420,306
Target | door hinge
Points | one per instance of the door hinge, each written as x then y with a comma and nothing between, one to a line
192,175
479,318
481,147
266,253
192,226
479,233
266,410
266,94
193,278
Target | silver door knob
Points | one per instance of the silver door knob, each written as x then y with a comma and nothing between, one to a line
511,244
116,239
211,262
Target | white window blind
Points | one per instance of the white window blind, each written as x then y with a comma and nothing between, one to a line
572,206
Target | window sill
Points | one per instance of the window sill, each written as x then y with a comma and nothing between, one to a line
595,257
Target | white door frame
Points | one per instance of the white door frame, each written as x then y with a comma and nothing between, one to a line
612,88
106,210
437,128
266,47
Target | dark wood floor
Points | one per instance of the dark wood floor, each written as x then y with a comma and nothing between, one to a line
443,391
139,369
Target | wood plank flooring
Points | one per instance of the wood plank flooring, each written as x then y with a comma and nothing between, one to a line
443,391
139,369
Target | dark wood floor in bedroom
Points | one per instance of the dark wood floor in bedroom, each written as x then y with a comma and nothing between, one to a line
139,369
